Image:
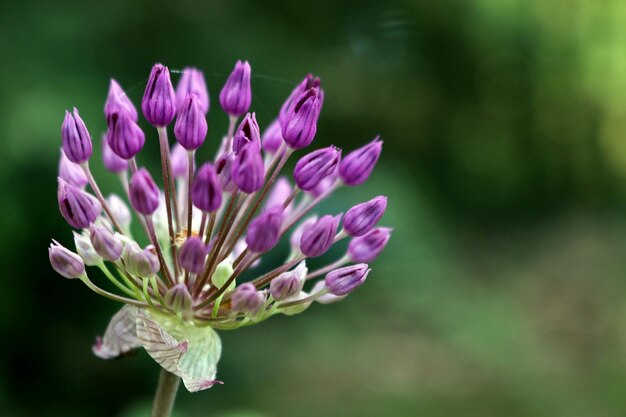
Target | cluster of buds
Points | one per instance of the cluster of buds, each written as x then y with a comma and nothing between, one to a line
210,223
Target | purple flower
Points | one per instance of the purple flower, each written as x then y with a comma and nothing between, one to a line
159,100
71,172
325,186
180,161
279,194
117,101
206,193
124,136
319,237
366,248
191,127
112,162
272,137
296,235
288,284
106,243
144,193
192,82
308,82
223,169
192,255
362,218
300,123
140,262
314,167
179,299
77,207
345,280
236,95
247,299
264,231
76,139
357,166
248,131
65,262
248,171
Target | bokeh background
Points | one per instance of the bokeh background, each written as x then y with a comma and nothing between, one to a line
502,291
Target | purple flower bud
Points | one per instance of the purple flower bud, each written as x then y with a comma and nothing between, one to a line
362,218
192,255
313,168
223,169
264,231
180,161
236,95
144,193
318,238
120,210
248,131
206,193
77,207
308,82
65,262
192,82
247,299
140,262
159,100
300,124
179,299
76,139
357,166
112,162
71,172
272,137
106,243
117,101
296,235
288,284
325,298
124,136
191,127
248,171
325,186
366,248
279,194
344,280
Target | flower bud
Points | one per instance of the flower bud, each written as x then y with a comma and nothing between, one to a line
192,82
206,193
325,186
180,161
325,298
179,299
112,162
117,101
140,262
246,299
76,139
300,124
247,131
144,193
159,100
248,171
264,231
272,137
85,249
308,82
223,169
279,194
65,262
77,207
357,166
296,235
366,248
106,243
124,136
318,238
313,168
192,255
344,280
236,95
191,127
71,172
120,210
289,284
362,218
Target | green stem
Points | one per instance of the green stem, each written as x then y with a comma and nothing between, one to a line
165,394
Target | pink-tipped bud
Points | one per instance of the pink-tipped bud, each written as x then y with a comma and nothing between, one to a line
159,100
144,193
191,127
76,139
192,82
247,131
236,95
246,299
192,255
345,280
363,217
77,207
65,262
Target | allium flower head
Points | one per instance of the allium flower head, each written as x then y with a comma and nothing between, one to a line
209,226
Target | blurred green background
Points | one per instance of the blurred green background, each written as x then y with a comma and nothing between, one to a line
502,291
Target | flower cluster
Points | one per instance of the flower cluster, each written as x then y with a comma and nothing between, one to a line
211,222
